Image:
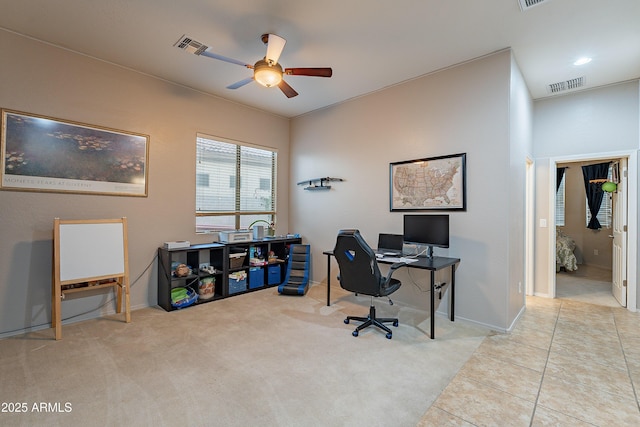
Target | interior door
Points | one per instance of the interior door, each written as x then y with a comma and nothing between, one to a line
619,204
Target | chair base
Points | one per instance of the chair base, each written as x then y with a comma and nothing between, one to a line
293,289
372,320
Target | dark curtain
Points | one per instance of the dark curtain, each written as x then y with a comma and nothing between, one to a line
594,190
559,175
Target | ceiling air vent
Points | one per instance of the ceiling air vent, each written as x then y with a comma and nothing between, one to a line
566,85
527,4
190,45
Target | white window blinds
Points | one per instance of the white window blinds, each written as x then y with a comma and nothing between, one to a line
235,185
560,203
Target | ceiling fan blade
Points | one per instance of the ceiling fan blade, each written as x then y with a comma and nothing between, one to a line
225,59
275,44
241,83
287,90
314,72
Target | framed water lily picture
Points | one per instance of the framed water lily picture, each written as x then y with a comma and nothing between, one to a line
47,154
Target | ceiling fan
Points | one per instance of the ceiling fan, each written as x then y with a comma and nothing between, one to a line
267,71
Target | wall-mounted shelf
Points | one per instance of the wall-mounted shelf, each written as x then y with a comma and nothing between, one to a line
318,183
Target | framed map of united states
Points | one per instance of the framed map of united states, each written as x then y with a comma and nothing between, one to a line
436,183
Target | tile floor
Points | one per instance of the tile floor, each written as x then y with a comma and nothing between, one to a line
566,363
588,283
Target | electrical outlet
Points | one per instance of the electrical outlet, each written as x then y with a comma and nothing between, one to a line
519,287
595,252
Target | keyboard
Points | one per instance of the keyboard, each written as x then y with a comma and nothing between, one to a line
398,259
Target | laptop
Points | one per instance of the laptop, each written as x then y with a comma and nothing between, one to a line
390,244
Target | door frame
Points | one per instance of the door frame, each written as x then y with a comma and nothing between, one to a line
632,218
529,241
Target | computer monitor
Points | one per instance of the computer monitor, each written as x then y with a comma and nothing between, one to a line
427,230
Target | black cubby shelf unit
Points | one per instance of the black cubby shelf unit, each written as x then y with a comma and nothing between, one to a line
236,268
205,266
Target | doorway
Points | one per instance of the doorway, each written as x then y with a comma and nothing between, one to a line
589,279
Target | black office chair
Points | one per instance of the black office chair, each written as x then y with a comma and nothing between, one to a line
359,273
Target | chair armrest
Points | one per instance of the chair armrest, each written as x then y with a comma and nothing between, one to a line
397,265
392,269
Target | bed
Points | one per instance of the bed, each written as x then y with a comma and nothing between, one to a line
565,258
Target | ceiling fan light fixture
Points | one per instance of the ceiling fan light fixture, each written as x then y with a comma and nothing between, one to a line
267,75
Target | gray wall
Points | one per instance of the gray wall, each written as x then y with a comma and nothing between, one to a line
38,78
466,108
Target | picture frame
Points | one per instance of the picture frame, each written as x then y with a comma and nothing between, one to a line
434,183
47,154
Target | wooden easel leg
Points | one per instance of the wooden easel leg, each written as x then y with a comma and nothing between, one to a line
123,287
56,310
127,307
119,297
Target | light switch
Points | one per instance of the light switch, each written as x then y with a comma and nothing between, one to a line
543,222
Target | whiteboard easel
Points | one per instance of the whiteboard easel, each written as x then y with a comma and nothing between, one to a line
89,251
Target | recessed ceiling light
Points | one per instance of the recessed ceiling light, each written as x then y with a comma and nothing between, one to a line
582,61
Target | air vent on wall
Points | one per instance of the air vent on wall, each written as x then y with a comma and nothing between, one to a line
576,83
190,45
526,4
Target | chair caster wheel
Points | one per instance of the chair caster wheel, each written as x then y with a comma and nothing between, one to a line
354,333
346,321
389,335
395,323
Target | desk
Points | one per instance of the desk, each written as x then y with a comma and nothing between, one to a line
432,264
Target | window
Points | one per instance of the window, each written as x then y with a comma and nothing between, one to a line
239,187
202,180
560,202
606,210
604,215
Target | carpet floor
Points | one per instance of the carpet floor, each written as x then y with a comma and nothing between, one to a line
253,359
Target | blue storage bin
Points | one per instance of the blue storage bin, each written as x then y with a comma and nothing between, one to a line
274,276
237,282
256,277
